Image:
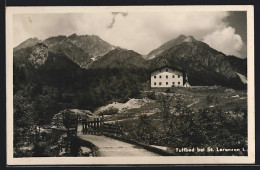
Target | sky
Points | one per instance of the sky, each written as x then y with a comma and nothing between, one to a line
142,32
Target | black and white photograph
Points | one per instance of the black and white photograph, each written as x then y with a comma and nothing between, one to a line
130,85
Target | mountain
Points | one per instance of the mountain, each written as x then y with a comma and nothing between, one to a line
31,56
91,44
176,41
82,49
203,64
120,58
61,44
27,43
39,66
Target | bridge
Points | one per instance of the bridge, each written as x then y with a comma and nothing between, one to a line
109,147
105,136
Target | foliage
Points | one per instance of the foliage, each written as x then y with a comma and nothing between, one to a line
23,122
31,111
80,88
168,90
85,89
45,108
69,119
189,128
151,95
92,88
146,132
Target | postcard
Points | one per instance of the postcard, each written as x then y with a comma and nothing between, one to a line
91,85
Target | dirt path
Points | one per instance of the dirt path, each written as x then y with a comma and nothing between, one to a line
193,103
109,147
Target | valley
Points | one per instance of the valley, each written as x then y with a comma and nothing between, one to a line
79,73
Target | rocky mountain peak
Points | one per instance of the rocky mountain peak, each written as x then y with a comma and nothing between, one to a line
181,36
38,55
27,43
72,36
91,44
189,39
172,43
205,65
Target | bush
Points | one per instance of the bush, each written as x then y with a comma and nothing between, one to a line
187,127
168,90
151,95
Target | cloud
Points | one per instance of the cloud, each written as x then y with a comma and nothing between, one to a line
139,31
143,32
226,41
124,14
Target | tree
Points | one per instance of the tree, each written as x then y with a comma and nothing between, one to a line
145,131
23,122
44,109
165,103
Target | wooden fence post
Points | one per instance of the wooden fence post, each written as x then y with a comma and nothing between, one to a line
102,126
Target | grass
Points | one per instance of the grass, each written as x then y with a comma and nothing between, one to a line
195,97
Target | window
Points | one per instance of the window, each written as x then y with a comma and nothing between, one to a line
167,77
172,76
173,83
166,70
179,83
154,77
166,83
160,83
179,76
154,83
160,76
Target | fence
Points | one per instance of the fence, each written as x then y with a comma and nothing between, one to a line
91,126
114,129
98,126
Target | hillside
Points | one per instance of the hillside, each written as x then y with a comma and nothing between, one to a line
31,56
85,73
203,64
176,41
120,58
82,49
91,44
27,43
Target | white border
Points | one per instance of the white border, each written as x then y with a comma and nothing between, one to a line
250,159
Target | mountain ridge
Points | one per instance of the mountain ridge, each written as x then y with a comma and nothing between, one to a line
86,47
169,44
197,58
27,43
119,58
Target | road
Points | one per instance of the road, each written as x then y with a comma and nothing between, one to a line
109,147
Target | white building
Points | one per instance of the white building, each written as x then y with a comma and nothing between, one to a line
166,77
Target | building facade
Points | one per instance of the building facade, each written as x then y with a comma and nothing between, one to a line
166,77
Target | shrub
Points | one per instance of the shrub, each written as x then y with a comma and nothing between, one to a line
151,95
168,90
187,127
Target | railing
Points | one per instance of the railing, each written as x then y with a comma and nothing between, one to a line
88,125
98,126
113,129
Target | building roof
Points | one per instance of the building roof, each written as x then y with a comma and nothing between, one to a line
167,66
